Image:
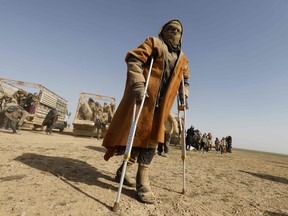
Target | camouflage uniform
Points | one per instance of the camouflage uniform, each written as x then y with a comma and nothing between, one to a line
6,101
108,110
171,127
223,145
204,142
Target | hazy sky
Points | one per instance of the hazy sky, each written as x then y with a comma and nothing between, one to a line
237,50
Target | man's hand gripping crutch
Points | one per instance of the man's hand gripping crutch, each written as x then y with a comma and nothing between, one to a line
182,106
133,128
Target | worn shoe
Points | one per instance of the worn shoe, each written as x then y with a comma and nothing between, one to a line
165,155
145,195
128,181
144,192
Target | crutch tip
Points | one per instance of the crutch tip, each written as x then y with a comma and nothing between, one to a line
183,191
116,207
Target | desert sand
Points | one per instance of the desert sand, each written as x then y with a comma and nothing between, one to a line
62,174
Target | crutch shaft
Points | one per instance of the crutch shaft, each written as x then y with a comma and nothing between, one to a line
132,135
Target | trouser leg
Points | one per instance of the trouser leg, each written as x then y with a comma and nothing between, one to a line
160,148
49,129
145,155
13,126
5,122
167,143
99,133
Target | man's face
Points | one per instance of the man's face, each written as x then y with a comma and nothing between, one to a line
172,34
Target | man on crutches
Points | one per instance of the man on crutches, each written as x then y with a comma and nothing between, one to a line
166,69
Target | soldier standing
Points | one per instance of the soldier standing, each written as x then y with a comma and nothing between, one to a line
169,67
171,127
223,145
6,101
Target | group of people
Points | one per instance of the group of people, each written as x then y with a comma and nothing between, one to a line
27,100
101,115
16,108
198,141
94,111
12,115
224,145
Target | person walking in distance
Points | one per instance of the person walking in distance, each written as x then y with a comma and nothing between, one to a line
170,65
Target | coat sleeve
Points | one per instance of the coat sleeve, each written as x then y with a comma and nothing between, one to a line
136,59
135,70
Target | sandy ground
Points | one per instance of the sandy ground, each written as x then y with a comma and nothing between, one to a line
61,174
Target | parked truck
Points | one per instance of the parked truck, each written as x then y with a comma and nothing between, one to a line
93,115
37,100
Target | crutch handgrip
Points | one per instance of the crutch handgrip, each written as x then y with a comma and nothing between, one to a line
154,53
181,107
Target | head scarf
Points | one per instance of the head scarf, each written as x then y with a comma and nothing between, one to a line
172,38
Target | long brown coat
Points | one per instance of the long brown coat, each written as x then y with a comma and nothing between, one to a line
150,128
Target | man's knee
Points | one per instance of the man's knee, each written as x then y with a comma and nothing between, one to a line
146,155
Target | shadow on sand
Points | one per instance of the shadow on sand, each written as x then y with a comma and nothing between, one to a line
267,177
97,148
269,213
68,169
